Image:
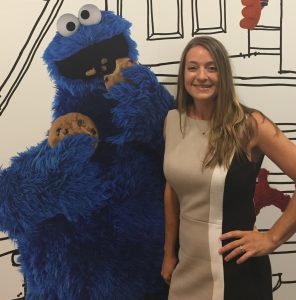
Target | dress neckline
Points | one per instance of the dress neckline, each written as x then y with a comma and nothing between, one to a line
202,125
197,120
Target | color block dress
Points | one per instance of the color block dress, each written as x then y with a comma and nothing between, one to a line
212,201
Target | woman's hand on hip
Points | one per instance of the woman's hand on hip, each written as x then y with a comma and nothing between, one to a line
246,244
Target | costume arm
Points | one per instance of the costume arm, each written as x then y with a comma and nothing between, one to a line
172,215
44,182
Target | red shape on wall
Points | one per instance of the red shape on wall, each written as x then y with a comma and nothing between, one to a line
251,13
266,196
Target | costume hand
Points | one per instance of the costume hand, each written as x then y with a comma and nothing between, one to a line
168,265
247,244
141,77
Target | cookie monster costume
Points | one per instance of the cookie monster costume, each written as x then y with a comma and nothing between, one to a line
88,220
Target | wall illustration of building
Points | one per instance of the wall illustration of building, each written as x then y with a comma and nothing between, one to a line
264,67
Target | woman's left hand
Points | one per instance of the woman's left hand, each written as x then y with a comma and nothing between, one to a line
246,244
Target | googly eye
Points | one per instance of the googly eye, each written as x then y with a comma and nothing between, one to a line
67,24
89,14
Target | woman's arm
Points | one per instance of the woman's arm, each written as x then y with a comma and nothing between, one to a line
172,212
279,149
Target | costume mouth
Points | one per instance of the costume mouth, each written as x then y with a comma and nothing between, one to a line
96,60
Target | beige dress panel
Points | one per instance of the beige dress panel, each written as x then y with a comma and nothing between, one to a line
184,154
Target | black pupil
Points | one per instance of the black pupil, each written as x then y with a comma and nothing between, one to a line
85,14
71,26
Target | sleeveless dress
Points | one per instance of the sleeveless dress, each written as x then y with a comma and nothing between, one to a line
212,202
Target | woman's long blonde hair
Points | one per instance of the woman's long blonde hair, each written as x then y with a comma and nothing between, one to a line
230,127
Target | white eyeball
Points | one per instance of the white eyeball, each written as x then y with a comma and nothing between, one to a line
67,24
89,14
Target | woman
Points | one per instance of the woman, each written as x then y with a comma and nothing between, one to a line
214,150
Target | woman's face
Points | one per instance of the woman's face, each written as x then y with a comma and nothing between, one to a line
200,74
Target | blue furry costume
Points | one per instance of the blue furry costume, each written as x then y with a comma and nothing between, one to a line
89,221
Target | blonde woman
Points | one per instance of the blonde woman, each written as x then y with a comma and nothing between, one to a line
214,150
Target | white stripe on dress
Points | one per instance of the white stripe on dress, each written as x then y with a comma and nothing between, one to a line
215,230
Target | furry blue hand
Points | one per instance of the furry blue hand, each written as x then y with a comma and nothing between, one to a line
75,150
141,77
138,95
43,182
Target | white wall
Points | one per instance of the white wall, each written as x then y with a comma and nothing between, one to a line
265,81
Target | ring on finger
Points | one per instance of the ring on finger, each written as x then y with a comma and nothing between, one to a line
242,249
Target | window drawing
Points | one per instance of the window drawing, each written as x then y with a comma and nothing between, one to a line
265,38
205,23
172,28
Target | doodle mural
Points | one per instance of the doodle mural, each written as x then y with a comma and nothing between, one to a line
264,66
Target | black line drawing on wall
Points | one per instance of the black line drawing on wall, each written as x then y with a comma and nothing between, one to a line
155,18
258,41
280,281
115,6
204,23
12,256
33,45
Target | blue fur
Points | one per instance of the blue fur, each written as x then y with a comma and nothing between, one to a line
89,223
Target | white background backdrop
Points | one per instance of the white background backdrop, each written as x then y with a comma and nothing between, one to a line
265,81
